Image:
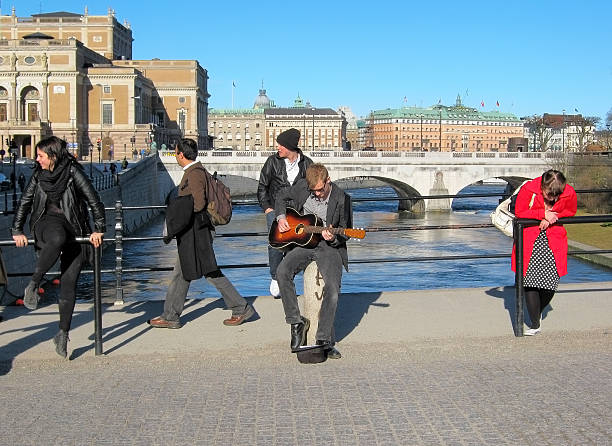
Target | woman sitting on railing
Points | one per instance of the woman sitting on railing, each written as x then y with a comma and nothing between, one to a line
547,199
57,196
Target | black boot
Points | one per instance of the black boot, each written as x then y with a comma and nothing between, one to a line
61,343
30,296
298,334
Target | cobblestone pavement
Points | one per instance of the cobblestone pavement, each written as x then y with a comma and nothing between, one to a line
544,390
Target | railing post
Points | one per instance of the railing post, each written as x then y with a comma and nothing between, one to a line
118,252
97,301
518,240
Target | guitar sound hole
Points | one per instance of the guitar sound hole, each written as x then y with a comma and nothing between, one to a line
299,229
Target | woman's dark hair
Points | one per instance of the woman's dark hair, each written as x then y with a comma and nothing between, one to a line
553,183
55,148
188,148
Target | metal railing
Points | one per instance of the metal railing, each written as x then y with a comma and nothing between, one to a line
119,239
519,225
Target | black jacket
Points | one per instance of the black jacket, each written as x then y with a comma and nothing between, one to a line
78,194
273,179
339,211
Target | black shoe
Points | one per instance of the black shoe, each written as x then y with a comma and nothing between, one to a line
61,343
30,296
298,334
331,351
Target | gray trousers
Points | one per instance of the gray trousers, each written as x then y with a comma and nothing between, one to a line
329,262
178,288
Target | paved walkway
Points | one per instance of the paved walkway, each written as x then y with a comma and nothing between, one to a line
419,367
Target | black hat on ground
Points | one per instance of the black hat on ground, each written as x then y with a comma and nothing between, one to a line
289,139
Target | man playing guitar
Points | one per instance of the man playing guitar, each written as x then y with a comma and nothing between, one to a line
317,195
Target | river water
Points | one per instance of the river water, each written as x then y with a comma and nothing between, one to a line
371,277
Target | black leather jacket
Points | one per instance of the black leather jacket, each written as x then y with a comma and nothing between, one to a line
78,194
273,179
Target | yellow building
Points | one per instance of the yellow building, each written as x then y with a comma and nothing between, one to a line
442,128
72,76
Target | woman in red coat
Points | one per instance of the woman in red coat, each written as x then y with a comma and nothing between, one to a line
547,199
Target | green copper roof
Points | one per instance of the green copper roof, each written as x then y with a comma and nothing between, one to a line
460,113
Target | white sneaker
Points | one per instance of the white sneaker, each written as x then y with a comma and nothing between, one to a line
274,289
532,331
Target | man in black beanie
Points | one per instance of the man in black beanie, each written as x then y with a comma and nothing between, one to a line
279,172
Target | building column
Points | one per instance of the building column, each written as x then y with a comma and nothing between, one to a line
44,102
13,102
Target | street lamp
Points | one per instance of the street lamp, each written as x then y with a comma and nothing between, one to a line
90,161
313,137
133,138
13,151
608,134
563,133
101,120
421,116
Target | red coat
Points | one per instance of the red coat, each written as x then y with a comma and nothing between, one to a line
557,235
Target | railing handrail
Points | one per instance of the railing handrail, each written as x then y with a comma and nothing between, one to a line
119,270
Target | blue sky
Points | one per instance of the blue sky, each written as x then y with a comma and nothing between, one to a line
532,56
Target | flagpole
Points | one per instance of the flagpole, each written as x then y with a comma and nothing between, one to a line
233,86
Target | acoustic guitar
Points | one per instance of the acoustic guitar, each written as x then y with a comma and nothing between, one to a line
305,230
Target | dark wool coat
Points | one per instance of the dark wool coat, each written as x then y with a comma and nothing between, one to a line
192,229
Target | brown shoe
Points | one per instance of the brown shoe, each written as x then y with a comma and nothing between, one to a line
237,320
160,322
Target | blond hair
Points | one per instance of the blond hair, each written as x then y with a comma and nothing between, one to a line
315,173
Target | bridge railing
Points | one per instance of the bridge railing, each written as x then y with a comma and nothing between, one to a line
167,156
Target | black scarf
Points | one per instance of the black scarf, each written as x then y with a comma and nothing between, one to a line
54,182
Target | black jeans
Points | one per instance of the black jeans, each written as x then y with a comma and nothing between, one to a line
54,238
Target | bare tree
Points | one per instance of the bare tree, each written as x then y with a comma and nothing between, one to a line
542,133
585,126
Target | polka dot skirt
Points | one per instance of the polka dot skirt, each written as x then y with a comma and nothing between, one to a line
542,269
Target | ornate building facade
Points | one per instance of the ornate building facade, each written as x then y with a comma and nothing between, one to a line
72,76
257,128
441,128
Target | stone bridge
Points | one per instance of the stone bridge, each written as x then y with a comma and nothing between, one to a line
410,174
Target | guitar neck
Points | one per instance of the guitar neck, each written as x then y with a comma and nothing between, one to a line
319,229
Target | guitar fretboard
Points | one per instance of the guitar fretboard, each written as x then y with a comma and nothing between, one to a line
319,229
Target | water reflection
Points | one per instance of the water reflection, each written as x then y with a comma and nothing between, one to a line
362,277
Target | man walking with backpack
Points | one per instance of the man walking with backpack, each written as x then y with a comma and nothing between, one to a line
188,220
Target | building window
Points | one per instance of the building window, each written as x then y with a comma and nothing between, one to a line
107,89
3,114
182,117
107,114
29,60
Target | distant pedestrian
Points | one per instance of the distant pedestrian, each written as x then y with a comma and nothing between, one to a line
547,199
21,181
56,199
134,154
124,163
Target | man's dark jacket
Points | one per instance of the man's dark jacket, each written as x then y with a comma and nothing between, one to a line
273,178
339,211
